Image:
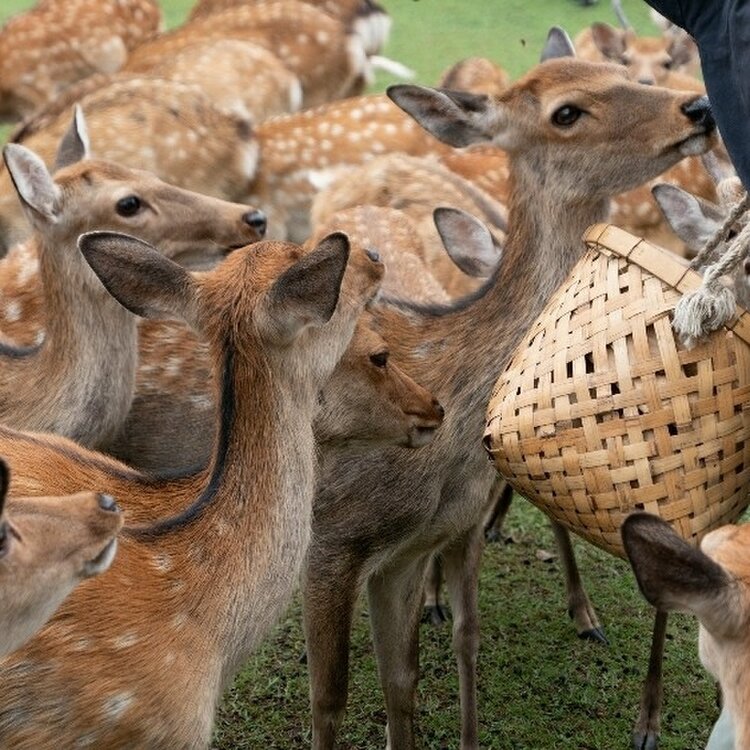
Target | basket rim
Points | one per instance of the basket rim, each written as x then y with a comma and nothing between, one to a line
668,267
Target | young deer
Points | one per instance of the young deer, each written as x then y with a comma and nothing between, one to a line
327,58
303,152
48,545
220,567
477,75
576,133
77,378
713,584
59,42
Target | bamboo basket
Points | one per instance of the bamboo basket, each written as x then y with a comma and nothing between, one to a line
601,411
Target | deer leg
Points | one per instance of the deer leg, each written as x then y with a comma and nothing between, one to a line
462,559
646,731
501,496
329,596
395,602
579,607
434,612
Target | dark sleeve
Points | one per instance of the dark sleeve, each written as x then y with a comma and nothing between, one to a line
670,9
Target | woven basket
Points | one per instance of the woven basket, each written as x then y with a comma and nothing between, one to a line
601,411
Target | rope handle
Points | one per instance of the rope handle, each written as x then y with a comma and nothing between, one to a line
708,308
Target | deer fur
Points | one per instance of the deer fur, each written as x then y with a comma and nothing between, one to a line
77,378
712,584
48,545
59,42
383,532
215,555
477,75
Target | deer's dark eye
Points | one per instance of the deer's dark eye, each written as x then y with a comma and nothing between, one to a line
130,205
380,359
4,539
566,115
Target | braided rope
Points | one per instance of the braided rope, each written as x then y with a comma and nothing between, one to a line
709,307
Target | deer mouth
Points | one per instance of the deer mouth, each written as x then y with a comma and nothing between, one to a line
102,561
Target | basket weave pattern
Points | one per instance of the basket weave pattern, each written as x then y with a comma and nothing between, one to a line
601,411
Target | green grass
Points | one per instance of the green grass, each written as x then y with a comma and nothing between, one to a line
540,687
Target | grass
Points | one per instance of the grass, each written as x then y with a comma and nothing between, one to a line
540,687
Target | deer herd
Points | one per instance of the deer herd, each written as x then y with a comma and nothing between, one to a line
250,320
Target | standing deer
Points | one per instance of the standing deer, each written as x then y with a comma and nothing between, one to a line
77,379
576,133
712,584
48,545
215,556
59,42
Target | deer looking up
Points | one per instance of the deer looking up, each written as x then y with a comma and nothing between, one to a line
47,546
59,42
218,572
77,379
576,134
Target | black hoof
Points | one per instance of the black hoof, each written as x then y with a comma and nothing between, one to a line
595,634
645,741
435,615
492,535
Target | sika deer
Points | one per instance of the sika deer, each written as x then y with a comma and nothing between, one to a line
217,572
78,378
477,75
711,583
576,134
48,545
59,42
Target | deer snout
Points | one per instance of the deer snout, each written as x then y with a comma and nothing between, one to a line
257,221
699,113
108,503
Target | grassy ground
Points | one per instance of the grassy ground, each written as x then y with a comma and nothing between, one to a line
540,687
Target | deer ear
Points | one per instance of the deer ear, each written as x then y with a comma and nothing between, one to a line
674,575
682,49
74,145
457,118
34,184
468,241
307,293
608,40
692,219
558,44
139,277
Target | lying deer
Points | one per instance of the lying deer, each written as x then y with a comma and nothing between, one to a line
576,134
712,584
215,556
48,545
59,42
477,75
78,377
327,58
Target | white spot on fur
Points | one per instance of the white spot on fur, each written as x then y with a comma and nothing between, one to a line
114,707
162,562
12,311
127,640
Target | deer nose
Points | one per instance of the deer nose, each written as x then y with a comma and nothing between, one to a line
646,81
107,502
438,408
257,221
373,254
699,112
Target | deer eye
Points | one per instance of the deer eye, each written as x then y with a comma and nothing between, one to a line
380,359
4,539
566,115
130,205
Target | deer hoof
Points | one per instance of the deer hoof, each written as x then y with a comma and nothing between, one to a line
645,740
435,615
594,634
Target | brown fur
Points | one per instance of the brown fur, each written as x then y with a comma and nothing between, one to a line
380,516
217,579
477,75
59,42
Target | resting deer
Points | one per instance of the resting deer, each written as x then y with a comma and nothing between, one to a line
59,42
179,135
214,557
78,378
477,75
576,133
327,57
48,545
712,584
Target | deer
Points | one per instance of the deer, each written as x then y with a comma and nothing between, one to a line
48,545
77,377
59,42
302,153
409,508
710,583
477,75
327,58
216,555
